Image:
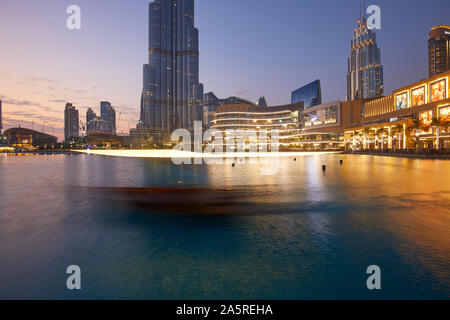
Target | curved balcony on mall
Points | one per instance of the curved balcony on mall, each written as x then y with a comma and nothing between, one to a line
248,117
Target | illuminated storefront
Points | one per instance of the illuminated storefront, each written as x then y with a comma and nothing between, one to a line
320,117
324,125
413,117
426,119
243,119
444,113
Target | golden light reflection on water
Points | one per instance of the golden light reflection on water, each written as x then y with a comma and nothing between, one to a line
407,199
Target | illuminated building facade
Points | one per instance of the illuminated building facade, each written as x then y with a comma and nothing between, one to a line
172,94
316,128
365,72
413,117
27,138
237,116
107,139
240,119
322,115
439,50
323,125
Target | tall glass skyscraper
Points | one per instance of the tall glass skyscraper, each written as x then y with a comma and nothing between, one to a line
310,95
365,72
439,50
108,114
172,95
71,122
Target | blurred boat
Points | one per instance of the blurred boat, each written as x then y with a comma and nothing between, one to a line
187,201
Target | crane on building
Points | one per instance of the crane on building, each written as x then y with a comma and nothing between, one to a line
118,122
83,129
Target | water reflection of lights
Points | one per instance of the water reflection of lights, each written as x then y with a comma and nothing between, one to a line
185,154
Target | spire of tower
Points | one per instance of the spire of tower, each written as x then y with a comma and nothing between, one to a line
360,9
364,9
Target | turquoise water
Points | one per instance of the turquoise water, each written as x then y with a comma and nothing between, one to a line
304,233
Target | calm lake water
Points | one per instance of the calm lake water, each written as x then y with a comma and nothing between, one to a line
309,235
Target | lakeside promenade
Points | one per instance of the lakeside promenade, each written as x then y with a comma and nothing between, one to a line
24,153
159,153
433,154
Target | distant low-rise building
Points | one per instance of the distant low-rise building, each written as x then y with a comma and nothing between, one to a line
104,139
27,138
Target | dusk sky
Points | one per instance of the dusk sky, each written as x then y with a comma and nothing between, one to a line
248,48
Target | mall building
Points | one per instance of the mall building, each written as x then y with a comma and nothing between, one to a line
323,125
241,120
320,127
414,117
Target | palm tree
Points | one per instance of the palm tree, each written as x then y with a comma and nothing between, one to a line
381,133
366,137
416,124
437,124
413,129
401,135
410,129
445,125
398,129
392,133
